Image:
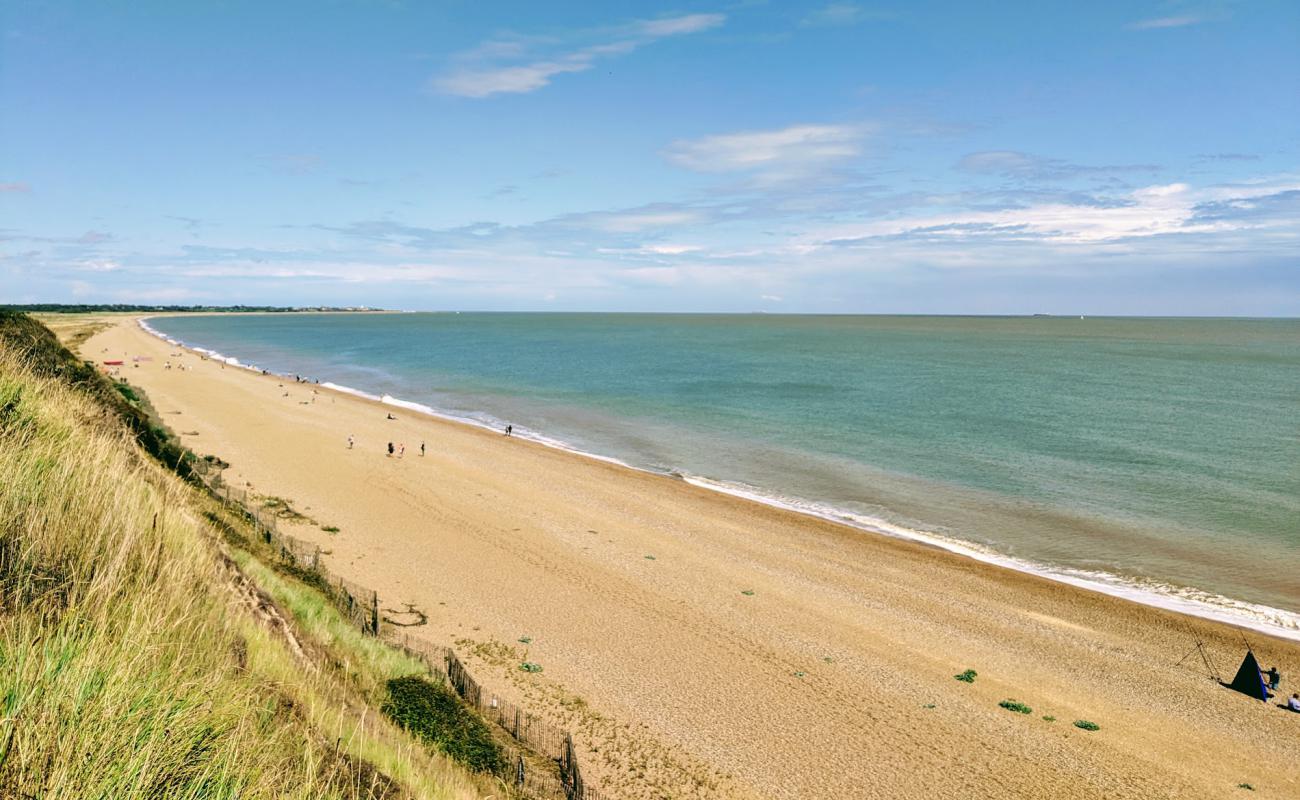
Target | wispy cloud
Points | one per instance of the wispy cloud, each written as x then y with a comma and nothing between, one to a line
796,151
481,72
1157,23
1157,210
1015,164
840,15
16,186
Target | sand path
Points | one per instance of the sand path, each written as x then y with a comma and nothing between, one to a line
834,678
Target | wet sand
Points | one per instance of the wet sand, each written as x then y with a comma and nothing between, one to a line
704,645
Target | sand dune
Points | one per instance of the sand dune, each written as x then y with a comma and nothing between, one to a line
704,645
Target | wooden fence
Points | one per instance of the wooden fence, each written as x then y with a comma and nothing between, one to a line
538,738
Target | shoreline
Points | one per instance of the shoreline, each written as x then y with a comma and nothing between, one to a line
700,644
1190,601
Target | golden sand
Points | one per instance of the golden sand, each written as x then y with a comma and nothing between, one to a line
704,645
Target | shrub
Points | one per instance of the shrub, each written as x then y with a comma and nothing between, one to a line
967,677
1086,725
1049,718
432,712
530,666
1018,707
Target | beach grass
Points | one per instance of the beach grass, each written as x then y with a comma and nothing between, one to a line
133,664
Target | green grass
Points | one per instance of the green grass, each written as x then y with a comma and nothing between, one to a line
1016,706
1086,725
966,677
433,712
134,665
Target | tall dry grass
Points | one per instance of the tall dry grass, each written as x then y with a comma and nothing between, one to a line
128,666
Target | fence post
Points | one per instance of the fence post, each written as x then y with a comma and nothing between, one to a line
516,723
374,613
519,771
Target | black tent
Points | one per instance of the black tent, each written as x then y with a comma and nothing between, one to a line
1249,680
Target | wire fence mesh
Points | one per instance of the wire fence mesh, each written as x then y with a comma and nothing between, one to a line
360,605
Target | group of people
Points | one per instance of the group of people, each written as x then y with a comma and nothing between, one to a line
1273,678
397,450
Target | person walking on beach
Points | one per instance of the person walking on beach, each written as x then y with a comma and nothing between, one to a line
351,441
401,449
390,449
510,429
421,449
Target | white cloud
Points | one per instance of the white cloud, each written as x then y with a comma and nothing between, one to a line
1164,22
99,265
833,15
477,80
1150,211
797,149
15,186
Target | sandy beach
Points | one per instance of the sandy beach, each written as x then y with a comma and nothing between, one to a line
702,645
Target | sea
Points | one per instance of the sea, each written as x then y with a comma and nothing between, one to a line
1152,458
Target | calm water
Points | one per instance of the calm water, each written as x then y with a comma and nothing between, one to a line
1158,454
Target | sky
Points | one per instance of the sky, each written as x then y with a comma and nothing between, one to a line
919,157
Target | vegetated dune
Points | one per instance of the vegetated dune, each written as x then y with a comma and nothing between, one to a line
135,661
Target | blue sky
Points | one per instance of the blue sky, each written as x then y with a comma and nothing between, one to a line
1134,158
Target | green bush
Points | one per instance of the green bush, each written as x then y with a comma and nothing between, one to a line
967,677
1086,725
1018,707
435,714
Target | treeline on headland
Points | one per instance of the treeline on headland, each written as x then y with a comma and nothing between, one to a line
152,645
131,308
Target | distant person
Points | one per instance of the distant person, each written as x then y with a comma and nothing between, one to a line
390,416
421,449
1294,703
510,429
351,441
401,449
390,449
1274,678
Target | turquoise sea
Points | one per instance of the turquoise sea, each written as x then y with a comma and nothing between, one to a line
1154,458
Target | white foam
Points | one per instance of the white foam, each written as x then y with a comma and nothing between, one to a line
1186,600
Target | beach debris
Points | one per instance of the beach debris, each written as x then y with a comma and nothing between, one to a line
330,528
1016,706
747,592
967,677
800,674
530,666
1086,725
413,617
525,640
828,659
650,558
1246,786
928,705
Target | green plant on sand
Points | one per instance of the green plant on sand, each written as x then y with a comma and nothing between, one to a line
1016,706
966,677
1086,725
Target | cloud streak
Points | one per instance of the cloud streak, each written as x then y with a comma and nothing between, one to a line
485,75
1158,23
794,152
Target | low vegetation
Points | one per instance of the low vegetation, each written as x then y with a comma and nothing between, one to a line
968,676
1016,706
1086,725
433,712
